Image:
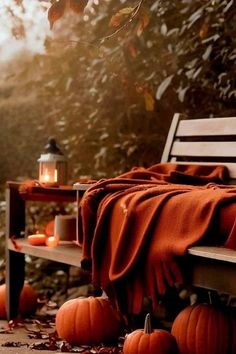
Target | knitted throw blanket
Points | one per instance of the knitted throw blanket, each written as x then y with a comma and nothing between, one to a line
135,229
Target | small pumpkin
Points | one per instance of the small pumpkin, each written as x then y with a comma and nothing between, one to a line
27,301
49,228
90,320
148,341
204,329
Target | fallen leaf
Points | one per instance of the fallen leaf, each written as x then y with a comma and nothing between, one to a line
14,344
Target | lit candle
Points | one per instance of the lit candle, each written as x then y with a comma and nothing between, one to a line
52,241
37,239
46,176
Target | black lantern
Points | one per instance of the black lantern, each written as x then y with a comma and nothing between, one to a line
52,165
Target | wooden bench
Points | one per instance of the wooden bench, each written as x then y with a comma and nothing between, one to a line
206,141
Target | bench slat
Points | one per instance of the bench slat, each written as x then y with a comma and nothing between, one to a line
219,253
213,149
207,127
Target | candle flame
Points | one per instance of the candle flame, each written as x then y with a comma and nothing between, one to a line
46,176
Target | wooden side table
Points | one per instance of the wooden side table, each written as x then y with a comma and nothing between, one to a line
17,245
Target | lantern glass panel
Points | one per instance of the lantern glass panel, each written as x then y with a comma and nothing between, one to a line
48,172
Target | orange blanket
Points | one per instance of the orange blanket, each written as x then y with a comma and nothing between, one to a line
136,227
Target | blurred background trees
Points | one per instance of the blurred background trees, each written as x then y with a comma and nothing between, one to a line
109,82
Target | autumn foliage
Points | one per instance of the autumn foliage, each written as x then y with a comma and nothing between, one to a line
58,8
113,74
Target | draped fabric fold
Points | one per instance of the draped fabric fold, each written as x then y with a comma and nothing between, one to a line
135,228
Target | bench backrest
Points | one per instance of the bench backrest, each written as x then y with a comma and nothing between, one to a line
205,141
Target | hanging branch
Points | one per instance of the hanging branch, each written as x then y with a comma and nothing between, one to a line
126,24
99,41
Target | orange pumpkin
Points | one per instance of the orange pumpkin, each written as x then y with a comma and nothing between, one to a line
27,301
49,228
204,329
90,320
147,341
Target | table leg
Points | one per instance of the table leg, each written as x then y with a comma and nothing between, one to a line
15,261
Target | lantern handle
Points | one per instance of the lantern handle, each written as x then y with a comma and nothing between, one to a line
52,148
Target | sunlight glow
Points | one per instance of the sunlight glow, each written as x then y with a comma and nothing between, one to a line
31,18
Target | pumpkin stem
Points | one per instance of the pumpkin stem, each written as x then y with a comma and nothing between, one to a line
147,324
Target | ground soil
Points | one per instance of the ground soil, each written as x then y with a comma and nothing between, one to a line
38,336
